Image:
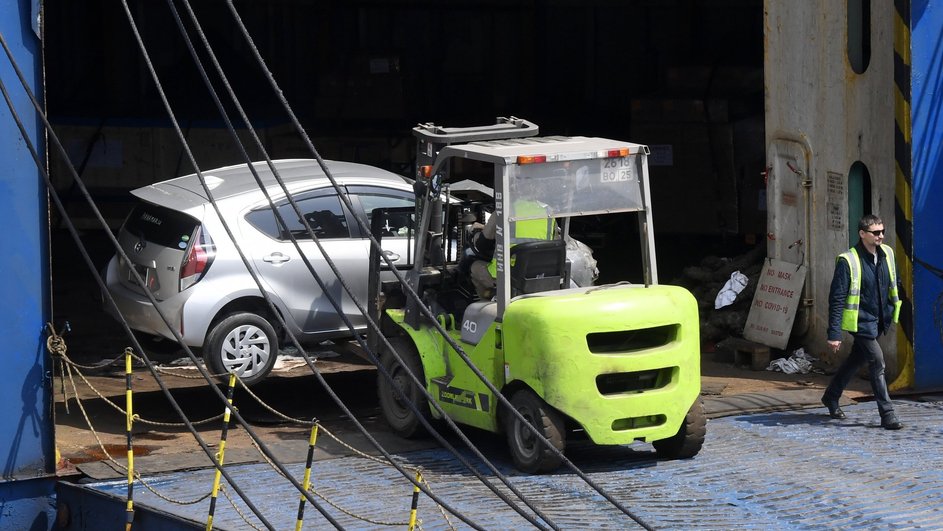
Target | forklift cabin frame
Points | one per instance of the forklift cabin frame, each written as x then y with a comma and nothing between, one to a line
576,163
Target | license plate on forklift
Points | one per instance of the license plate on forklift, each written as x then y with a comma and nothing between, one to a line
616,169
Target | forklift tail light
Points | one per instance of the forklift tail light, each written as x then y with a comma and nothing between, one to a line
616,153
425,171
531,159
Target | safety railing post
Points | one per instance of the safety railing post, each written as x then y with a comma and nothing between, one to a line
306,482
129,420
220,456
415,504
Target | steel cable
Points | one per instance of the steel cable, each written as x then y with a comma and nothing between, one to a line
258,282
327,258
411,292
88,261
267,453
139,280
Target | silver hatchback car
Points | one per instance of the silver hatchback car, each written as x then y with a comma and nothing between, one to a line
177,243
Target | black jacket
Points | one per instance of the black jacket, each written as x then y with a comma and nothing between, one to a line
875,309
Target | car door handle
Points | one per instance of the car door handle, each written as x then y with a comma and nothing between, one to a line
391,255
276,258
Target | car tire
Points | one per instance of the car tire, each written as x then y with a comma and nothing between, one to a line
242,343
530,454
690,437
401,418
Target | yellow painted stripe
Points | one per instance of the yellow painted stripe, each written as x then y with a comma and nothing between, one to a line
905,362
128,414
904,197
906,269
905,348
901,38
902,113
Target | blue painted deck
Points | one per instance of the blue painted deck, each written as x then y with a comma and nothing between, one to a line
786,470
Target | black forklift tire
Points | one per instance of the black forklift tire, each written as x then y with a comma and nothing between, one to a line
690,437
530,454
401,418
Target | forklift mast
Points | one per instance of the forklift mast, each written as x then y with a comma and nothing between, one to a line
430,140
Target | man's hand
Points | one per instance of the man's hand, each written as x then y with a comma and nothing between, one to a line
834,345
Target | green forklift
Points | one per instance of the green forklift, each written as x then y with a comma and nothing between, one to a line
613,363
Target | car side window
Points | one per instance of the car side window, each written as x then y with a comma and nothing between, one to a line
372,197
322,212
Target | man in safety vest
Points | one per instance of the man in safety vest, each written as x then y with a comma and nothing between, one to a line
864,301
484,269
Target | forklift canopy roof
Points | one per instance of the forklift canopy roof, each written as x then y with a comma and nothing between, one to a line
552,177
555,148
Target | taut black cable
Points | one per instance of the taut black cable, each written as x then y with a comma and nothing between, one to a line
88,261
245,261
411,292
334,268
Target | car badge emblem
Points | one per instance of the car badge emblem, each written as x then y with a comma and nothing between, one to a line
139,246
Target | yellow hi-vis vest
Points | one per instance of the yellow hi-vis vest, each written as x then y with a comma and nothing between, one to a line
849,316
527,229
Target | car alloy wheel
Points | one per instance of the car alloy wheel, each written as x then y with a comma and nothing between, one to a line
244,344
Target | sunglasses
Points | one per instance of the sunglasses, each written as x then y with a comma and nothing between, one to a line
879,232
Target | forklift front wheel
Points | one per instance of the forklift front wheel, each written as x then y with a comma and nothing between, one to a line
529,452
401,418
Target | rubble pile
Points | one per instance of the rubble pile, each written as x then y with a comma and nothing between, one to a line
708,278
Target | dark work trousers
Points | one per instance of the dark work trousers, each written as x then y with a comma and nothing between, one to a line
863,350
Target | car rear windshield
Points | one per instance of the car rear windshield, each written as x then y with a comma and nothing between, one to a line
160,225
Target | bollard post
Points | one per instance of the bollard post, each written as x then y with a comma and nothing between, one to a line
221,454
129,420
415,504
306,483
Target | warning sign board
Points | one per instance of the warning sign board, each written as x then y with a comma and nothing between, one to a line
777,296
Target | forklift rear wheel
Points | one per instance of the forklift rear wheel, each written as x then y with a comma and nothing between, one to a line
530,453
401,418
690,437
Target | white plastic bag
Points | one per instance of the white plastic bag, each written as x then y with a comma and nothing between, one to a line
731,289
583,271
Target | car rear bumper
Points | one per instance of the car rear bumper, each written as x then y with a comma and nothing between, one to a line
137,309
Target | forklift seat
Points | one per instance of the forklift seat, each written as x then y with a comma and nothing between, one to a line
537,266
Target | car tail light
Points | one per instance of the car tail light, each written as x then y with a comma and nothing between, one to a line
198,259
